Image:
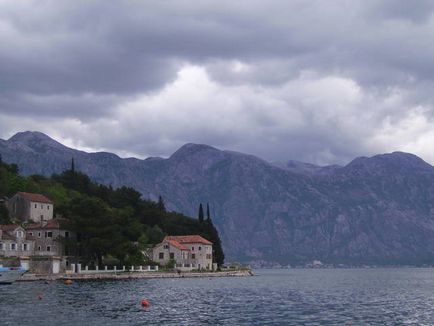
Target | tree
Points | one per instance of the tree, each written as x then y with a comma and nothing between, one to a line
208,216
4,215
200,213
161,206
72,165
218,256
155,234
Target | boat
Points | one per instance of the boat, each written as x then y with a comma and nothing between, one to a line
9,275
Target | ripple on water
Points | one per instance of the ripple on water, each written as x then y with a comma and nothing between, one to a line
274,297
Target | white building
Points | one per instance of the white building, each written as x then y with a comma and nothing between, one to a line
14,241
189,252
29,207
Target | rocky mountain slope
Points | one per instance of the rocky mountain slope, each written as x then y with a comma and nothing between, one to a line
373,210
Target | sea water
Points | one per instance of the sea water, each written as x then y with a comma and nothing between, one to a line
389,296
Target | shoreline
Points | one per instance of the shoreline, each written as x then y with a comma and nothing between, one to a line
130,275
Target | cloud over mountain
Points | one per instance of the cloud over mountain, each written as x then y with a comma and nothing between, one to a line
313,81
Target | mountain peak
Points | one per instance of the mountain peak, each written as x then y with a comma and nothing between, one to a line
35,140
24,136
396,161
190,149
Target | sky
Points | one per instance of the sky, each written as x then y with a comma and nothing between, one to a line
315,81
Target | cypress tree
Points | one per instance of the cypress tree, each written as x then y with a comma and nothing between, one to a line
200,213
161,206
218,254
72,165
208,216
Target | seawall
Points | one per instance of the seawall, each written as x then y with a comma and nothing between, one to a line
130,275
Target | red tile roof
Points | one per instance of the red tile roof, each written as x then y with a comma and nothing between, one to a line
55,223
9,227
176,244
189,239
35,197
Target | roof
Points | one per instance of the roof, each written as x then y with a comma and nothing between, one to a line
9,227
55,223
189,239
39,198
176,244
8,230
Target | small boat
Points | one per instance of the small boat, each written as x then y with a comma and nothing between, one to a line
9,275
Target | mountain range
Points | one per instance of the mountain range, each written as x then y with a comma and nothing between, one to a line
374,210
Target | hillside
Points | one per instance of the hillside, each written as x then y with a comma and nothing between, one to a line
373,210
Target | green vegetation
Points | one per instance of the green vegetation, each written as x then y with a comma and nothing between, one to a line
116,224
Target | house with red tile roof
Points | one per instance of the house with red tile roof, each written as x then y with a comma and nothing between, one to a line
14,241
30,207
189,252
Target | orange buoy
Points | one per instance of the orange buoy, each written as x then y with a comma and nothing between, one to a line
145,303
67,282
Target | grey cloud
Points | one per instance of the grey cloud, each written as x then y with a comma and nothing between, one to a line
86,60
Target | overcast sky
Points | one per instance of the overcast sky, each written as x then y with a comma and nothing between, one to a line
316,81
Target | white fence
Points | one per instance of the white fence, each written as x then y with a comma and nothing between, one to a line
77,268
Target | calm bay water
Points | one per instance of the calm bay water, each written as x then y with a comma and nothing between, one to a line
402,296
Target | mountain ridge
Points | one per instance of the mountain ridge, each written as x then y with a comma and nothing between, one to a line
371,210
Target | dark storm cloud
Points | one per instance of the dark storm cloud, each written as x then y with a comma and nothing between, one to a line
297,77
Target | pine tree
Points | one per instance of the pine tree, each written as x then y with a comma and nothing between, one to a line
200,213
72,165
160,205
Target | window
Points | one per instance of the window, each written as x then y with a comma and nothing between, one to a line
66,234
36,206
31,233
166,246
48,248
200,248
161,255
39,234
48,207
13,246
1,246
39,248
42,206
192,248
25,247
49,234
172,255
19,234
193,256
208,256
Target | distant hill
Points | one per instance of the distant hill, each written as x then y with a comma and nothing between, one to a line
377,210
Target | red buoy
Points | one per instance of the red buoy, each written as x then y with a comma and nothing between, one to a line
145,303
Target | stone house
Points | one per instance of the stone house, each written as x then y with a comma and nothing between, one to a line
42,242
50,239
14,242
29,207
189,252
